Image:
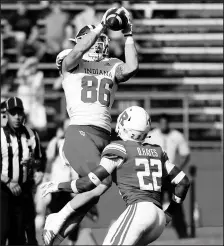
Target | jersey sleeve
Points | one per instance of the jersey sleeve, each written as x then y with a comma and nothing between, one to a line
179,180
114,150
96,176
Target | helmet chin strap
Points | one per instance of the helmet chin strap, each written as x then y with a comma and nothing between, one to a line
123,134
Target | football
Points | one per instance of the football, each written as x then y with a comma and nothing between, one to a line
116,19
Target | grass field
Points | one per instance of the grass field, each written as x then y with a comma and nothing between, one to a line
204,236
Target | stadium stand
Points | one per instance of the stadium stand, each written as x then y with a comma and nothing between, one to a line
181,68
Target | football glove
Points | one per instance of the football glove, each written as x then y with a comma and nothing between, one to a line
127,31
49,187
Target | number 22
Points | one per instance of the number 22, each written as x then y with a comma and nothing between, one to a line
156,176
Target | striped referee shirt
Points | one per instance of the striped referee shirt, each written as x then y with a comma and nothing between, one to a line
21,148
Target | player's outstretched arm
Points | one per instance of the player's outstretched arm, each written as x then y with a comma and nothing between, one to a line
129,68
181,185
87,183
94,178
84,44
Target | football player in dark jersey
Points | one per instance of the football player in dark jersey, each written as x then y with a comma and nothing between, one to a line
138,169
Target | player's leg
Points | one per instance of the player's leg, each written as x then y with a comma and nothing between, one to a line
155,231
80,204
118,226
41,204
77,207
82,148
81,151
131,225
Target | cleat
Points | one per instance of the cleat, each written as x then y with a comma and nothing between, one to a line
48,237
52,227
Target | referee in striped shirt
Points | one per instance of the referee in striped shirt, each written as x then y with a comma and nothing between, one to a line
20,158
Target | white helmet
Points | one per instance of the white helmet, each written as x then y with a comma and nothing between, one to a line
99,50
60,57
133,124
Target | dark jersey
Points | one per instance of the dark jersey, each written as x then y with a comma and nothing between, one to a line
139,177
139,170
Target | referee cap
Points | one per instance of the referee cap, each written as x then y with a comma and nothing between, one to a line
14,102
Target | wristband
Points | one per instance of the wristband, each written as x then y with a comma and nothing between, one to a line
128,35
95,180
176,199
64,186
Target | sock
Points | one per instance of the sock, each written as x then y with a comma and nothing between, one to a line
66,211
58,239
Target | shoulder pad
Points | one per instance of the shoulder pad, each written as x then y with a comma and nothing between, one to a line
115,149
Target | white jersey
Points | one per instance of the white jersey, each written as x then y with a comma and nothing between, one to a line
171,143
89,92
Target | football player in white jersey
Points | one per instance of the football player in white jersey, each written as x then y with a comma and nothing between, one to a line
139,170
90,80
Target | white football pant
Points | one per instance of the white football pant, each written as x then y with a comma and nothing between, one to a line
140,224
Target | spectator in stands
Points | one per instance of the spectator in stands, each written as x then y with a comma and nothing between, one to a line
172,142
54,164
31,91
150,9
48,34
5,79
20,20
86,17
9,41
20,157
37,39
55,26
54,168
21,23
